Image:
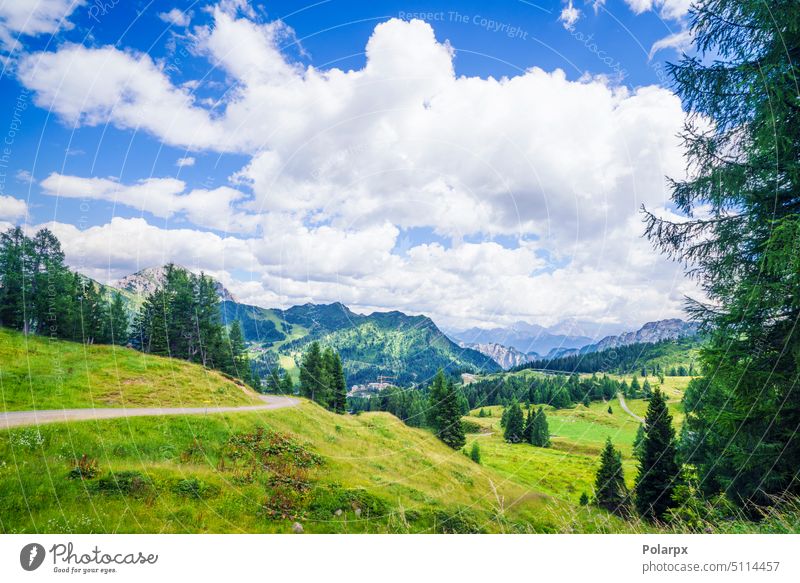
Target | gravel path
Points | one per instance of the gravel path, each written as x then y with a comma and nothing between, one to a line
20,418
624,406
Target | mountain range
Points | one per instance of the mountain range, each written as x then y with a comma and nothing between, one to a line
406,349
523,337
650,333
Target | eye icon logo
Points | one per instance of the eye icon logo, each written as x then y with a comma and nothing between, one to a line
31,556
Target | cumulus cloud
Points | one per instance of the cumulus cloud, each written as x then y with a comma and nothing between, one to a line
12,209
343,162
671,9
162,197
569,15
176,17
185,161
34,17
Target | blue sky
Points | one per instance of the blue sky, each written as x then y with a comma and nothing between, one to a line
482,163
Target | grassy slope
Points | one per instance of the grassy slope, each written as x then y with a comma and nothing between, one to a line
567,469
409,479
39,373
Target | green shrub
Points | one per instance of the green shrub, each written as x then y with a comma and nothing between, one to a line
195,488
461,521
470,426
85,468
128,482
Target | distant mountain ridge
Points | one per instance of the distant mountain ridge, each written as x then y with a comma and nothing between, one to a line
650,333
506,356
521,336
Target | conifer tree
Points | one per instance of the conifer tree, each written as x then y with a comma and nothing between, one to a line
436,396
540,433
658,468
312,374
17,280
515,424
452,431
638,443
475,452
609,485
339,389
527,434
119,321
743,143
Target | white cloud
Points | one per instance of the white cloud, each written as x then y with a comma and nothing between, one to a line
342,162
162,197
34,17
12,209
185,161
679,41
671,9
176,17
569,15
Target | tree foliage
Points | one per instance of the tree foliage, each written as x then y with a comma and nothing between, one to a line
742,244
609,485
658,467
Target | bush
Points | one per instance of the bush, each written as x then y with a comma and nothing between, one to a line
470,426
461,521
85,468
475,452
129,482
194,488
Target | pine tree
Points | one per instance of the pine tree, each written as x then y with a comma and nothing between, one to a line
475,452
658,468
635,388
647,390
452,431
436,397
638,443
339,389
312,374
540,433
515,424
527,434
16,277
743,143
609,485
287,385
119,320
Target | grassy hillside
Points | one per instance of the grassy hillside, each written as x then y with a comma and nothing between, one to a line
40,373
217,474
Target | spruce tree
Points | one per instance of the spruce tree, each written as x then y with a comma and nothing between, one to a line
658,468
638,443
475,452
609,485
540,433
339,389
743,144
452,431
119,321
16,277
436,397
312,374
515,424
527,434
